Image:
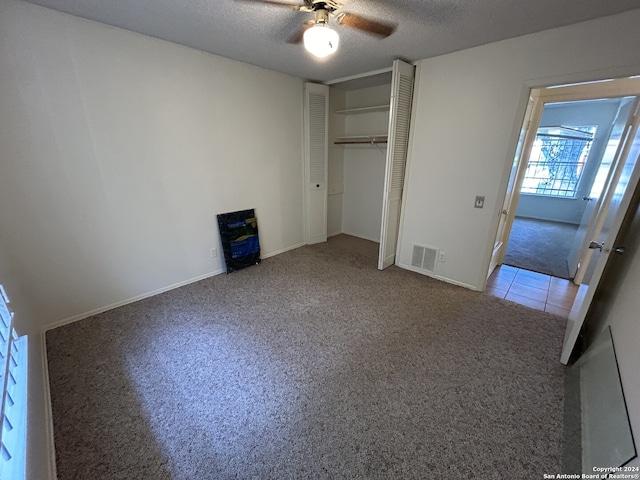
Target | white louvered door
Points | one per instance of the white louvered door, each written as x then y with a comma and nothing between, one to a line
316,116
398,142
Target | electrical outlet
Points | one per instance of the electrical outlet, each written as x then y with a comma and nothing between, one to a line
442,257
214,252
479,201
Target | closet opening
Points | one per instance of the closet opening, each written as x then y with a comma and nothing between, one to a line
368,131
358,122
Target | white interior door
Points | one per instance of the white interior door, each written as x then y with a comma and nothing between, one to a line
316,118
507,214
594,199
608,219
397,145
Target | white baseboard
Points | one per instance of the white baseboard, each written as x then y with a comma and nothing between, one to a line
278,252
99,310
51,453
376,240
96,311
546,219
48,412
438,277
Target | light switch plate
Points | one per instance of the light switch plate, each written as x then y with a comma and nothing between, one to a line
479,201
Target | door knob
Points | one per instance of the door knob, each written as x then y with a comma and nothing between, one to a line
602,248
586,199
596,245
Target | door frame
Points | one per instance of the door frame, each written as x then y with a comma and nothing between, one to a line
612,88
587,91
532,117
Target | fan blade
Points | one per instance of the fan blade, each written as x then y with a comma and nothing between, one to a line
370,26
296,37
292,6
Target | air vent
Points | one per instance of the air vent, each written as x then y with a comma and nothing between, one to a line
424,258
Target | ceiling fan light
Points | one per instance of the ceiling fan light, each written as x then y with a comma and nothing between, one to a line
321,40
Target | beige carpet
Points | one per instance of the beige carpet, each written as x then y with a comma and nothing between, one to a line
313,364
353,244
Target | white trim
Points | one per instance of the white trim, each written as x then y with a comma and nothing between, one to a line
333,234
48,412
438,277
362,237
98,310
611,88
359,76
80,316
584,76
278,252
539,217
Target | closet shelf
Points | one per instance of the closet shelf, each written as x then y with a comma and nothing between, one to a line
352,111
361,140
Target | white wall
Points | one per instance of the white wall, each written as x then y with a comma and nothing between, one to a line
626,332
118,150
469,107
617,303
363,191
364,166
116,153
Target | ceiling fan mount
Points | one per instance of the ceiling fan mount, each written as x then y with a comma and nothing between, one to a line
315,5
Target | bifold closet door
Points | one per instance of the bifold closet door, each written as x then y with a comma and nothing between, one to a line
398,142
316,115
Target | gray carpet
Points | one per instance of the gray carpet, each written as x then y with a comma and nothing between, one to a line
540,246
313,364
356,245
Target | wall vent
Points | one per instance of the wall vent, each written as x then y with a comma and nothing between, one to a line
424,258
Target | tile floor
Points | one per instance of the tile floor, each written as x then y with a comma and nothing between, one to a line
532,289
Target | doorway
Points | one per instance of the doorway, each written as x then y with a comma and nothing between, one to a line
367,160
569,193
619,182
565,172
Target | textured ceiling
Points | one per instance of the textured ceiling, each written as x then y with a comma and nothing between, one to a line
256,34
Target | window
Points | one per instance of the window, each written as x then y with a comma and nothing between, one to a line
13,406
557,161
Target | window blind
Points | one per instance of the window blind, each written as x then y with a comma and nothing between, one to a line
13,406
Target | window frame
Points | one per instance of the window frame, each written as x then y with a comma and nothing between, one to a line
583,133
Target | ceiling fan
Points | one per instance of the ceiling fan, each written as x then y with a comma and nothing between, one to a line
320,39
